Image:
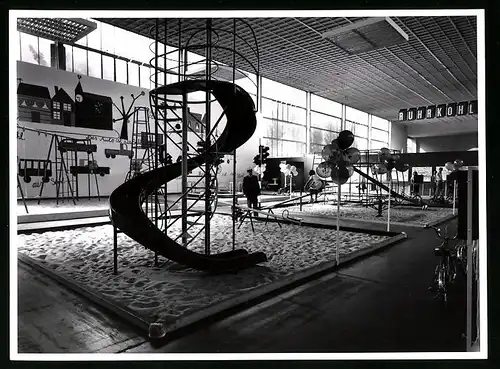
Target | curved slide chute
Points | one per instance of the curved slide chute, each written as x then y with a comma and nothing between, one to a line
125,201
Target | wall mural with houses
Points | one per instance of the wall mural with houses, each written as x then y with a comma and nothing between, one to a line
91,119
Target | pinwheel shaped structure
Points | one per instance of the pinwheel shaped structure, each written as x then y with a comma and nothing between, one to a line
288,170
339,158
388,161
454,166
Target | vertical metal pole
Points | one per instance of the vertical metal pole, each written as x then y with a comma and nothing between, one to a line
454,194
208,190
76,176
308,122
184,165
337,243
165,112
234,151
156,128
234,198
115,251
389,204
260,166
470,265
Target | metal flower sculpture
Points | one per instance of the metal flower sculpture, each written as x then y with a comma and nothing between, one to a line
339,158
454,166
388,161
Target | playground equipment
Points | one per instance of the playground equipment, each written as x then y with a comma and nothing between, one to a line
289,171
70,147
124,151
169,108
125,115
28,168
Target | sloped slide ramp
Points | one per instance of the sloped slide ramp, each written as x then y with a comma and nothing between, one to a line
125,201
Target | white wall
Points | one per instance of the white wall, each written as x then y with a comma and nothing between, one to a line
35,146
398,136
460,142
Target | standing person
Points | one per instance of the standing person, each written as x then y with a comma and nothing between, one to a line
433,183
314,185
251,189
416,185
440,181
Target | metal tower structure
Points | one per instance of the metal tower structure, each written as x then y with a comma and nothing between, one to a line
185,133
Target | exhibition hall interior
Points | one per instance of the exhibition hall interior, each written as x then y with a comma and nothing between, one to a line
248,185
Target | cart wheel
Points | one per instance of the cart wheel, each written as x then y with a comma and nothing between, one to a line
101,174
45,179
107,155
113,156
27,179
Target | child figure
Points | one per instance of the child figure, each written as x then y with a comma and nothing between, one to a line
314,185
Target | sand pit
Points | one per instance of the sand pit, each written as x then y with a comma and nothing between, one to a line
400,214
171,291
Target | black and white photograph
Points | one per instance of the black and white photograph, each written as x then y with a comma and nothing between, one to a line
273,184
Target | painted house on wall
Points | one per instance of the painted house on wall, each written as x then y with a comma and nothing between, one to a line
34,103
63,108
93,111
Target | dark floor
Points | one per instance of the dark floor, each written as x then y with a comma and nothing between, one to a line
379,303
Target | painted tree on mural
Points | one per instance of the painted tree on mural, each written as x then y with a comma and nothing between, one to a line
125,115
38,56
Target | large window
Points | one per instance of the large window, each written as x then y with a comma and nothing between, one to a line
29,49
79,60
94,64
108,68
355,115
379,134
133,74
325,106
278,91
286,128
281,148
69,58
324,129
121,71
145,74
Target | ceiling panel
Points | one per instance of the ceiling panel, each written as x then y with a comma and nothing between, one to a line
437,65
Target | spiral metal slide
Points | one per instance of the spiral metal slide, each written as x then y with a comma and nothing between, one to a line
125,201
384,187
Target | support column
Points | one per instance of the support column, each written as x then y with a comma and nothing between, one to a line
308,122
208,179
342,118
57,56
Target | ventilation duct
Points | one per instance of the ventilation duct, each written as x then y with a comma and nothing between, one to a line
367,35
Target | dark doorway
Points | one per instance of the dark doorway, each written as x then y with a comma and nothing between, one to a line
67,118
35,116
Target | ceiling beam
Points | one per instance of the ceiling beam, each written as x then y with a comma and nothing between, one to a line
462,38
419,74
451,43
435,57
336,67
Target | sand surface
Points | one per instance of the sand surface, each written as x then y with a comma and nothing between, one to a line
169,291
401,214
